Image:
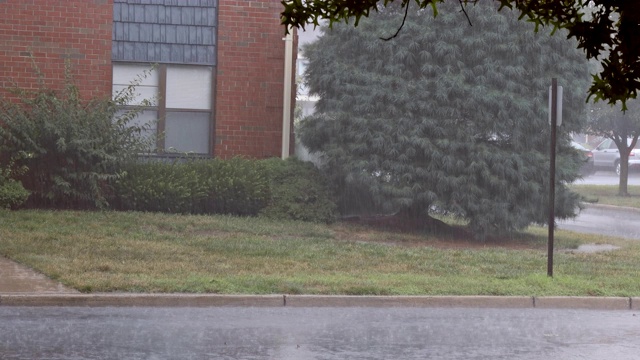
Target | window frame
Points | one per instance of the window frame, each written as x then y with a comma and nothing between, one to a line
161,107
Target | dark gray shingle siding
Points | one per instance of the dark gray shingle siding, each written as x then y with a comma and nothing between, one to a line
172,31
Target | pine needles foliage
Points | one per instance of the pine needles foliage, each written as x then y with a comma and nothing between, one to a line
446,116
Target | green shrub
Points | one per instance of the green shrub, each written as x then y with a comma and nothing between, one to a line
236,186
273,188
12,193
298,192
158,187
70,147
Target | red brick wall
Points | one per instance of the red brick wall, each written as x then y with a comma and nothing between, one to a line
50,31
250,72
249,79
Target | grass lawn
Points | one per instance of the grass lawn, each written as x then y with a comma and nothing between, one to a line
608,195
143,252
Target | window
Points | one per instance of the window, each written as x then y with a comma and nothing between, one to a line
181,106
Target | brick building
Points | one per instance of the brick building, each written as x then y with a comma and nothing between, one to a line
217,67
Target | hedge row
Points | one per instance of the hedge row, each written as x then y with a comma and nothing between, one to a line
274,188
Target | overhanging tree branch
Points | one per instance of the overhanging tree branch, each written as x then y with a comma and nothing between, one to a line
404,19
614,43
464,11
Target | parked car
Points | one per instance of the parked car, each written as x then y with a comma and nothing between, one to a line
587,167
607,156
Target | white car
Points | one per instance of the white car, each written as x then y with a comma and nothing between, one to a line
607,156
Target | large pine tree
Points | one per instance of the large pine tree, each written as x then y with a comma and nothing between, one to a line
446,113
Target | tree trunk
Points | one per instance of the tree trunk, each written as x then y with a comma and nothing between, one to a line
624,173
417,217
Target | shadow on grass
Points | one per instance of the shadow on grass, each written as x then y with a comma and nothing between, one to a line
402,231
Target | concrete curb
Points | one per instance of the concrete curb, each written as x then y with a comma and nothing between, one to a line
141,300
410,301
600,303
214,300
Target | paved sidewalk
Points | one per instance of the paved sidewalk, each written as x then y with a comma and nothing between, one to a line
18,279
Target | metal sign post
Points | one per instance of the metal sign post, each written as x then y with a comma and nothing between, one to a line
555,119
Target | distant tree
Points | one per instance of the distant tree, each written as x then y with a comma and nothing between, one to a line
610,122
447,115
607,30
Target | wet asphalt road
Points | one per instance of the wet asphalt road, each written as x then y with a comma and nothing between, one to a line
605,221
608,178
316,333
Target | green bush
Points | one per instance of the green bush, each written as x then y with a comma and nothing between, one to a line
12,193
71,147
272,188
236,186
298,192
158,187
